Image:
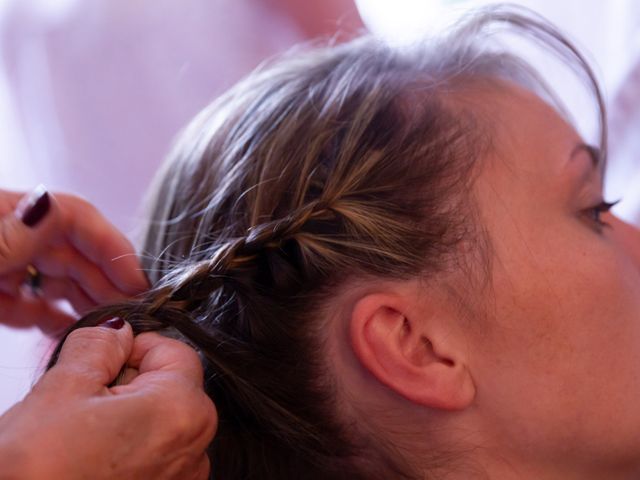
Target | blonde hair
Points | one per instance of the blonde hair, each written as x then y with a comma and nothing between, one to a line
345,162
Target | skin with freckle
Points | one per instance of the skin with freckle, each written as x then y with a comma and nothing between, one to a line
565,298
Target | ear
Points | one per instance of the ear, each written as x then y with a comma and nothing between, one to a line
414,354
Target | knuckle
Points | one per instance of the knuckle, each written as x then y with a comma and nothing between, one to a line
6,244
183,419
74,199
93,334
204,416
184,355
79,206
96,340
165,403
179,347
209,414
193,360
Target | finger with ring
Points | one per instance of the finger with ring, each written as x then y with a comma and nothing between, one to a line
33,280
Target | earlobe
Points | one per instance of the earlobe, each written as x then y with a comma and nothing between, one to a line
410,353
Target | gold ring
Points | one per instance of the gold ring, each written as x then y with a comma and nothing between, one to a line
34,280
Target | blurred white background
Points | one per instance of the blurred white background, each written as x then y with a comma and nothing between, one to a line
92,92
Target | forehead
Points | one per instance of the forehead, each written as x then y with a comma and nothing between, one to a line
528,171
529,137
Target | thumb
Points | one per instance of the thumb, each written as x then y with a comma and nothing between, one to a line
92,357
24,231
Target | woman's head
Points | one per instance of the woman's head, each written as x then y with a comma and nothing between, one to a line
330,171
382,255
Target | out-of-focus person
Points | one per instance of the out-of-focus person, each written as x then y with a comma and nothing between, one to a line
92,94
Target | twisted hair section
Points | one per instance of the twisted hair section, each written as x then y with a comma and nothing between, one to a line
316,173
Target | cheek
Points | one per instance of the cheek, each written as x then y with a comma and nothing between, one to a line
564,311
565,332
557,371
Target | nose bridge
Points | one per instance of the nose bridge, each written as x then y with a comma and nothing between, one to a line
628,236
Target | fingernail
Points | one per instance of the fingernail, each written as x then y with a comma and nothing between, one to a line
32,209
116,323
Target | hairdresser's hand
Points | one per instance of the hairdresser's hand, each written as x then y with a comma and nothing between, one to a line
73,426
79,255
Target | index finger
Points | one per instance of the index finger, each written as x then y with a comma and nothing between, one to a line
102,243
154,353
9,201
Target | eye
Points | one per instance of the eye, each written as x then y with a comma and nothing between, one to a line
595,213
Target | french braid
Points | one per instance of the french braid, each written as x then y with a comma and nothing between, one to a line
323,171
169,304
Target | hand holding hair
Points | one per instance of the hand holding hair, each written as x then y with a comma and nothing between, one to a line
73,425
63,248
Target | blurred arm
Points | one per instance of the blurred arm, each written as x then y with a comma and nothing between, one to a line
322,18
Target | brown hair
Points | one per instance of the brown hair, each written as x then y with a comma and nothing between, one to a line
322,170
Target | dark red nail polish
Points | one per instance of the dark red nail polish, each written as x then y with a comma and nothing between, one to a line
116,323
36,206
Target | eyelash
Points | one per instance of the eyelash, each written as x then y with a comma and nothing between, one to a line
594,213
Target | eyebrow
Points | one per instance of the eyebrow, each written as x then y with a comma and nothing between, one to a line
594,153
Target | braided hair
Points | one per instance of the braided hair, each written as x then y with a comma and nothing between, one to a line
320,171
